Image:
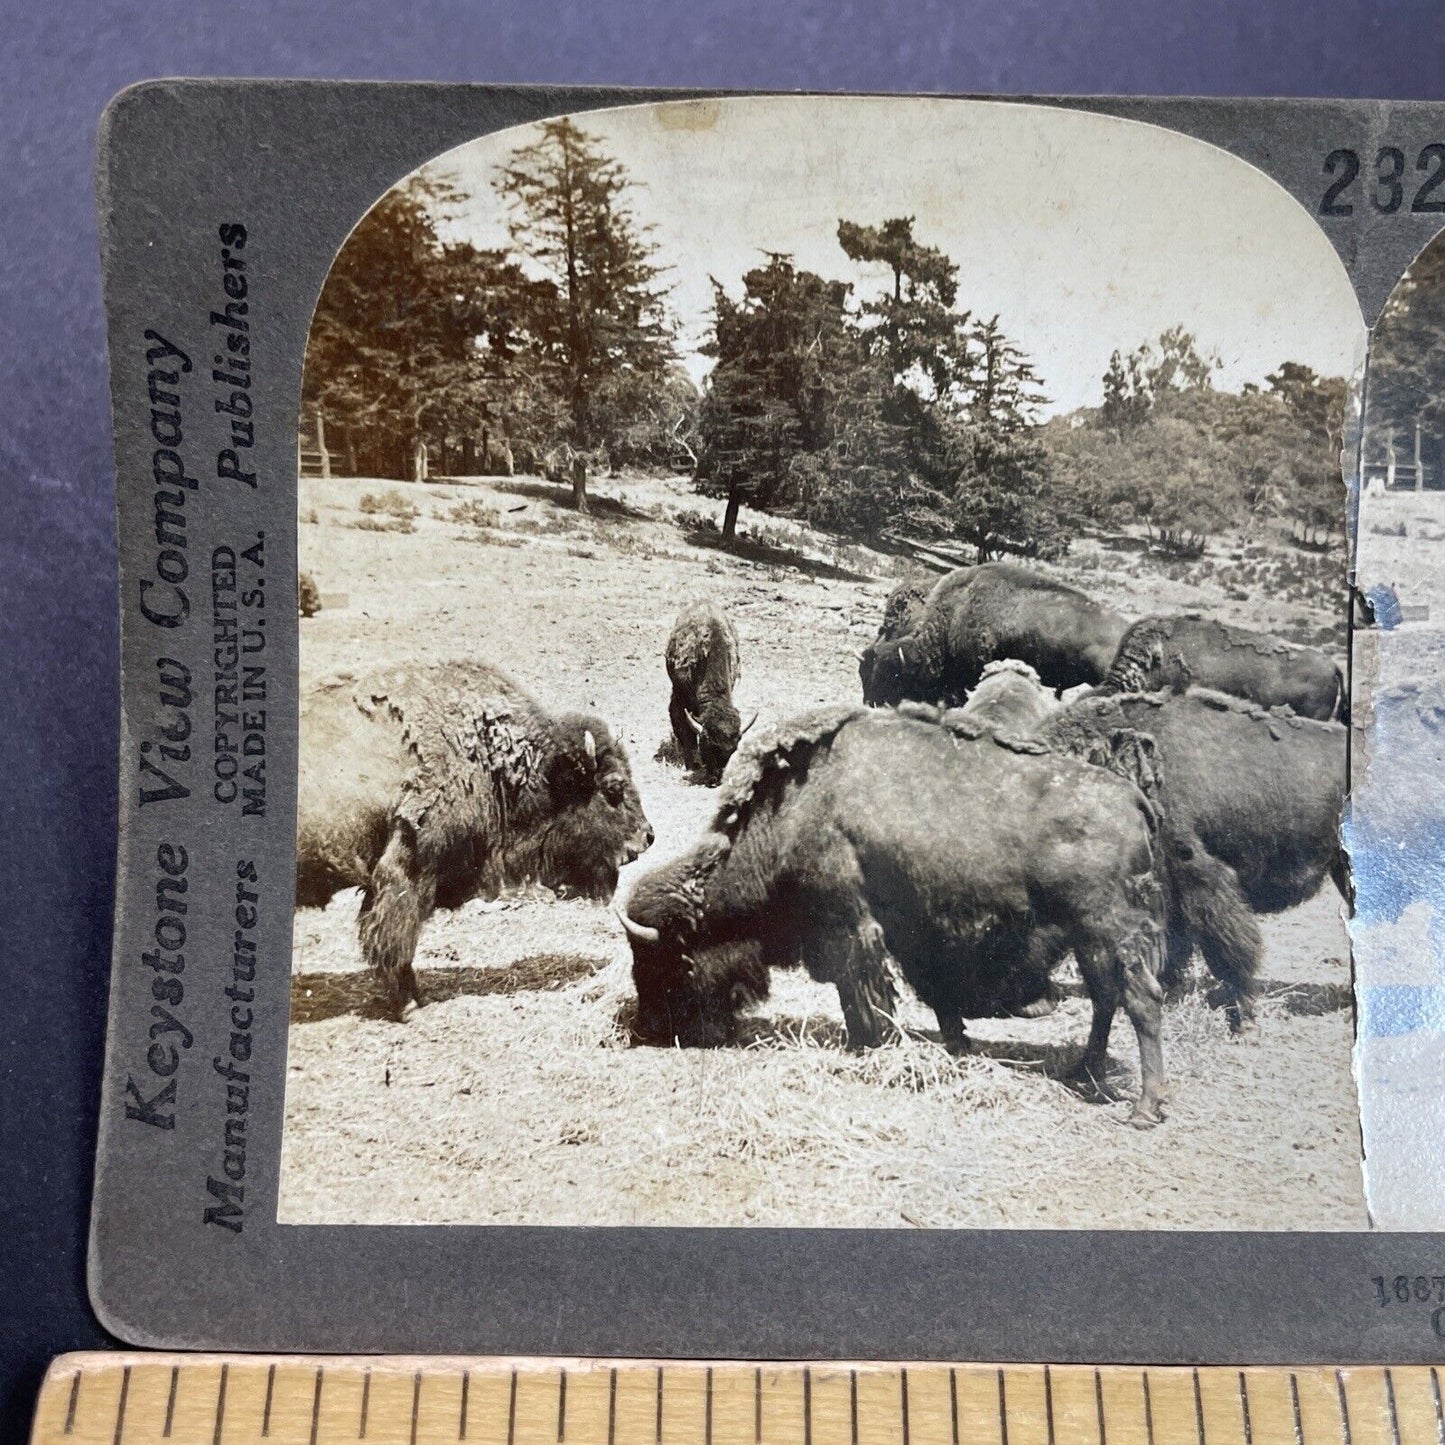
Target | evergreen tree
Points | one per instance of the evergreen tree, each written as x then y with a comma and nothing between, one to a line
781,350
1003,500
1135,384
913,324
1005,392
1407,349
416,341
1315,498
1199,461
603,327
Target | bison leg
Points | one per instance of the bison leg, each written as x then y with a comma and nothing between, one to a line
398,900
1126,968
952,1031
1088,1075
682,730
858,965
1143,1002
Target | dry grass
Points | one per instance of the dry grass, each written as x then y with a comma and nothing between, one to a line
538,1109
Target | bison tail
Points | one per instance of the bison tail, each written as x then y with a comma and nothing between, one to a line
1221,922
396,903
1341,711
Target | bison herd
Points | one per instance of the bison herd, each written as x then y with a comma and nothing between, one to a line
1030,777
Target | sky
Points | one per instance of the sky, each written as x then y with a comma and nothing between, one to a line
1084,233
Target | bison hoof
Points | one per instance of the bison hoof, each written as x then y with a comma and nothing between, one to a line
1088,1081
1243,1029
1146,1116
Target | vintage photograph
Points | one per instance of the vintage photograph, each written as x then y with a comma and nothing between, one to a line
1397,813
824,679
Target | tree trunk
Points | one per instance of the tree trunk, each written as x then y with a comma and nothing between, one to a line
579,484
730,517
469,454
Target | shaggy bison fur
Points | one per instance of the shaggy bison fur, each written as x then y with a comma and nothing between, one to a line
903,610
848,836
428,786
979,615
702,665
1009,699
1190,650
1251,803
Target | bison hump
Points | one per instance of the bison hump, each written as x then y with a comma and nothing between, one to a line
692,641
773,749
470,736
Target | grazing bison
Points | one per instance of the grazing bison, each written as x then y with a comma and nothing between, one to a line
1009,699
702,665
427,786
1190,650
847,836
978,615
1251,803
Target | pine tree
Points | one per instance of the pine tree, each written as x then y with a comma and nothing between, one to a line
781,351
416,341
915,328
1005,391
603,328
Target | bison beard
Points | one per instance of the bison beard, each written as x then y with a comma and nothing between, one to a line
429,786
826,851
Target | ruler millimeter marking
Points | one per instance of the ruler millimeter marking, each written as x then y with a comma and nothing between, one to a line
144,1399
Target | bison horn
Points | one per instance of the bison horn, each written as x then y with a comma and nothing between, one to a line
693,722
745,730
636,930
902,657
589,744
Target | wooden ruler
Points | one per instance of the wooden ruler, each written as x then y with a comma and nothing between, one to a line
136,1399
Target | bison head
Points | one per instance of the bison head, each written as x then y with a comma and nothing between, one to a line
596,825
691,987
719,729
892,671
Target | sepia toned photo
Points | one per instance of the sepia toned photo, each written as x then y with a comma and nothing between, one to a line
825,681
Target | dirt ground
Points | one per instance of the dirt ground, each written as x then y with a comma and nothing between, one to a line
513,1096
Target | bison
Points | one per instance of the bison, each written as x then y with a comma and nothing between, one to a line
1177,652
702,665
1009,699
847,836
427,786
978,615
1251,803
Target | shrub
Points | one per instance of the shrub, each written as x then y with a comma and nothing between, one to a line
308,595
475,513
391,504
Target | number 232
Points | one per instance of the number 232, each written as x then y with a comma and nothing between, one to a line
1387,193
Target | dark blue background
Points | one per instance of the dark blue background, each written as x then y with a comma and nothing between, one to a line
63,59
